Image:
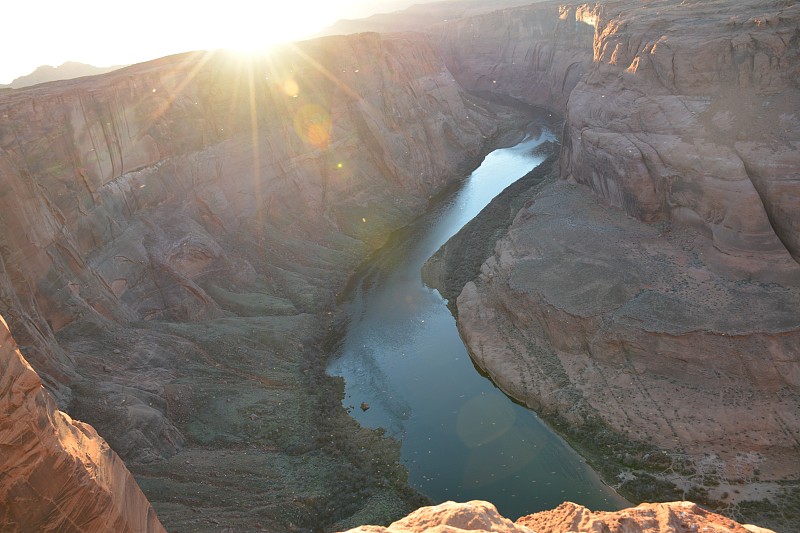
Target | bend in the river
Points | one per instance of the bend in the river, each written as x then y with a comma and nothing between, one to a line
407,370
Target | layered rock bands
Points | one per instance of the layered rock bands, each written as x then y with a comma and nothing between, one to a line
175,233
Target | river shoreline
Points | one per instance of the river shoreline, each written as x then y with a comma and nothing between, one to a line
459,261
347,438
637,470
406,403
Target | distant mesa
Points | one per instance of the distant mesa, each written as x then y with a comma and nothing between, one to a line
66,71
401,15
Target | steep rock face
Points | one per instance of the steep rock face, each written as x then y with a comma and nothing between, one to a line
669,122
536,53
191,148
58,473
174,232
482,517
698,127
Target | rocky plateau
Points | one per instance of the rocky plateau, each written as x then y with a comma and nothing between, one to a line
176,234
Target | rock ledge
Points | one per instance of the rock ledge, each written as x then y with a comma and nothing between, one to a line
479,516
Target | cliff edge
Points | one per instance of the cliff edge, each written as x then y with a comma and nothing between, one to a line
176,233
58,473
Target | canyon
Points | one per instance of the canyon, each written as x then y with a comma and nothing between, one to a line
177,234
646,300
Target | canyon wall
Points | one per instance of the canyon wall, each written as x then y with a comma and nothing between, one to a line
175,233
697,127
188,149
647,303
536,54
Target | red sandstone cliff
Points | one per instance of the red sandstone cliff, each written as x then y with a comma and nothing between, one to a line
58,474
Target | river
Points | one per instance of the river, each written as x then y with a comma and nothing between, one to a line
402,357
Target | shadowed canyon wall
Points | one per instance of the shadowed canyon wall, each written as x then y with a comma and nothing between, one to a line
536,54
153,165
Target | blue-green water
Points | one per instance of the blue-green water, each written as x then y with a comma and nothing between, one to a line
462,438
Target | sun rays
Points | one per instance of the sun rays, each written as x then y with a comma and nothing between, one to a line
300,103
121,35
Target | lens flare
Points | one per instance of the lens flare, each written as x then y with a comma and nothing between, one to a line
313,124
484,419
291,88
502,458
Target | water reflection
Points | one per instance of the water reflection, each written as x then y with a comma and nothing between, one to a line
461,437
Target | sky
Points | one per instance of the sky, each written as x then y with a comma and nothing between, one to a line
104,33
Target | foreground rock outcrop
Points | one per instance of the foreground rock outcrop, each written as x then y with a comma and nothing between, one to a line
482,517
58,474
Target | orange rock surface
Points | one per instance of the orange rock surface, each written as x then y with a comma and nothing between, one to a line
482,517
450,517
677,517
58,474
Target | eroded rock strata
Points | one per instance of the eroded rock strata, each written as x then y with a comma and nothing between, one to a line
482,517
648,302
175,234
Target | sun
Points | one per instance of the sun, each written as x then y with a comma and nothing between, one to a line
246,26
104,34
